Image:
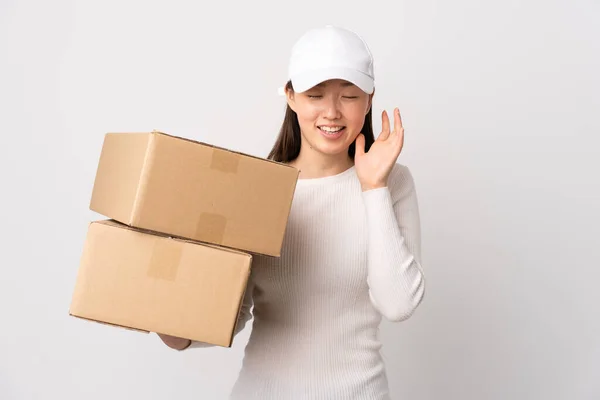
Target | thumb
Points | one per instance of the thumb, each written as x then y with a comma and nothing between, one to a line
360,145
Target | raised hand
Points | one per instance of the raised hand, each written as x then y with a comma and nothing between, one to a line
373,167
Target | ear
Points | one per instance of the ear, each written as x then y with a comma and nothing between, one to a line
291,99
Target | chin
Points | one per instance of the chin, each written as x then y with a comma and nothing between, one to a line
335,146
332,149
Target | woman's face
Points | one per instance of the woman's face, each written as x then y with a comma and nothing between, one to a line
331,115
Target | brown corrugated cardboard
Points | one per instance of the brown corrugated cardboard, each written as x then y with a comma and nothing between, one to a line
194,190
154,283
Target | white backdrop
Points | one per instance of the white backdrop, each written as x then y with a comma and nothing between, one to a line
500,104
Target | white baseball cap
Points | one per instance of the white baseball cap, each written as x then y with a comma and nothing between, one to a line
330,53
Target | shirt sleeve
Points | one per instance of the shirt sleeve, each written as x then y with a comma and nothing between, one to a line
395,277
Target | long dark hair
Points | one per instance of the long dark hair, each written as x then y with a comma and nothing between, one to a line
287,145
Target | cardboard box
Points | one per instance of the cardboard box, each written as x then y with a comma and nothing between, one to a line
154,283
194,190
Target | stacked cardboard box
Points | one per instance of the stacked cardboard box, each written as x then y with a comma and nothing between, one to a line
185,219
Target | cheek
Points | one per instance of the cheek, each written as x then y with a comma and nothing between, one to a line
307,115
356,117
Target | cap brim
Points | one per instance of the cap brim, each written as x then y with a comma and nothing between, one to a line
307,80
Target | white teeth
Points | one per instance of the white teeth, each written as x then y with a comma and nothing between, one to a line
328,129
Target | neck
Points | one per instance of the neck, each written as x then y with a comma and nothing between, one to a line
316,165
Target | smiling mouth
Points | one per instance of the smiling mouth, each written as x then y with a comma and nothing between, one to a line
331,130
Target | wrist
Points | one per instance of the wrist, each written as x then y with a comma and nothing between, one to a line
372,186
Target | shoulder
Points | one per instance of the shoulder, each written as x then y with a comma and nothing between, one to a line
400,182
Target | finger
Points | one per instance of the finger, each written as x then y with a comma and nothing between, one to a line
397,121
385,126
360,145
400,139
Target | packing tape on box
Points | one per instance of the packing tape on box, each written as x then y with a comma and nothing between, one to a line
165,259
211,228
225,161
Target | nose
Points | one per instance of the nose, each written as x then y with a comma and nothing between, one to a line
332,108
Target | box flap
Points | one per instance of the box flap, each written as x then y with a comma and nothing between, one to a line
117,224
222,148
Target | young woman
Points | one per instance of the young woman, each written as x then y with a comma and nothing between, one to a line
352,252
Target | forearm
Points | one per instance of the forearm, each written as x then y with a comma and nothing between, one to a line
395,278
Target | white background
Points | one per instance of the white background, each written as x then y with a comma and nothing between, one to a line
500,101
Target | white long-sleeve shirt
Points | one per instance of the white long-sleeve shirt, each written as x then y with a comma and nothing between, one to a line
349,258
